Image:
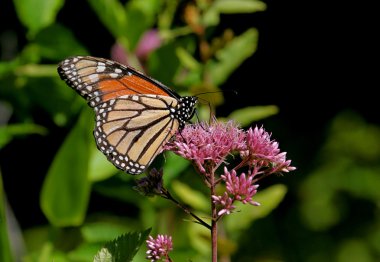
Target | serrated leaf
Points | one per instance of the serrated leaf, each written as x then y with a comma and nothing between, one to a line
238,6
191,197
37,14
269,199
232,55
104,255
247,115
66,188
122,249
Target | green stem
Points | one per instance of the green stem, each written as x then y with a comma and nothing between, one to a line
214,221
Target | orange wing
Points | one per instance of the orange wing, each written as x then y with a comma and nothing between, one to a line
99,80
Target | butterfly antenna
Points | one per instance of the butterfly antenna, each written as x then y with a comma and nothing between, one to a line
209,103
199,121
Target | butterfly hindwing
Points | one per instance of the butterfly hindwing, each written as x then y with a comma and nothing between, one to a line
131,130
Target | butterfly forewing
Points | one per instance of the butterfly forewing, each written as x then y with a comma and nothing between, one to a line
99,80
135,115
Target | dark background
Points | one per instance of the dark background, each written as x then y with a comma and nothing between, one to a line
314,59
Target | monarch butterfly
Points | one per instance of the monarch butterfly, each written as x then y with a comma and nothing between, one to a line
135,115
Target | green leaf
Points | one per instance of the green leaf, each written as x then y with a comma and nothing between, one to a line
166,15
163,56
118,187
230,57
104,255
112,14
348,165
66,188
83,252
191,197
101,231
199,237
36,70
100,168
56,43
186,59
37,14
247,115
269,199
5,250
145,13
46,253
49,93
122,249
354,249
211,16
238,6
174,166
8,132
7,67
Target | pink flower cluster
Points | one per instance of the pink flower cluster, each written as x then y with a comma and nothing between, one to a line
208,145
238,188
263,152
159,248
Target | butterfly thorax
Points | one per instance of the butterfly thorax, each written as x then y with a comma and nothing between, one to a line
185,110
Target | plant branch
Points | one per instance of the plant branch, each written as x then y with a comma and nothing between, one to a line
168,196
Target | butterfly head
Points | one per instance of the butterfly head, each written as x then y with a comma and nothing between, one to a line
186,109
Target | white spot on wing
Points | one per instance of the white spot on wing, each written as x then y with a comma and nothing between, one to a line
94,78
100,69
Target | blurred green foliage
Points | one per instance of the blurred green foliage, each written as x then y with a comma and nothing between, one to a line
348,168
35,102
195,60
5,254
